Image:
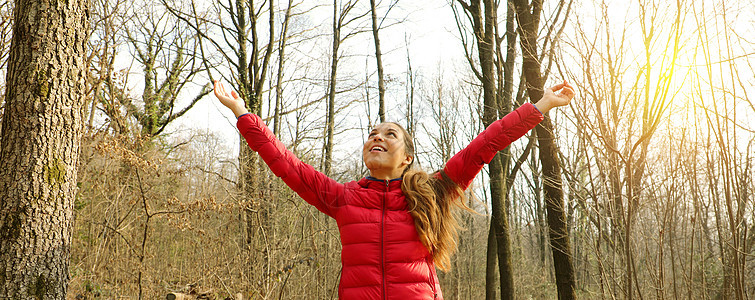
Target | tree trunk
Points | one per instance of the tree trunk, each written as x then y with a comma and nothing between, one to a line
529,17
39,150
483,18
491,261
501,225
410,96
497,168
379,58
279,81
330,118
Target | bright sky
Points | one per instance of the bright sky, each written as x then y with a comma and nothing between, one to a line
435,48
432,37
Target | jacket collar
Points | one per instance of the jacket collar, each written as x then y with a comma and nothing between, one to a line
379,184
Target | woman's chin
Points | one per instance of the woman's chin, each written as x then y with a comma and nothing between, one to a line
375,167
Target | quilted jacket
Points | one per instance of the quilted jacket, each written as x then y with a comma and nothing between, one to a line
382,256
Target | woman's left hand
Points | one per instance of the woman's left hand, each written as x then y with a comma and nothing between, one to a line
558,95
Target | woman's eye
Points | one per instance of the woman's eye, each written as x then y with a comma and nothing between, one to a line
392,134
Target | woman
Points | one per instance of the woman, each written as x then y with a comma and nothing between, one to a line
396,224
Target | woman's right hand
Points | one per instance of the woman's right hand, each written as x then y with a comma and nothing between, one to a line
232,101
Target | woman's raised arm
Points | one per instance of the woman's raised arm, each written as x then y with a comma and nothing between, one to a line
314,187
464,166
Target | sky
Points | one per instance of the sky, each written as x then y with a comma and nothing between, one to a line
434,47
433,42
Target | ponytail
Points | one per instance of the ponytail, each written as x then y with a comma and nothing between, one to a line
431,199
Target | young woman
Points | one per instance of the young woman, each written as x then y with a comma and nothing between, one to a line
396,224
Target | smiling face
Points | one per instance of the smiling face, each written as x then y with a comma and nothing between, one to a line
384,153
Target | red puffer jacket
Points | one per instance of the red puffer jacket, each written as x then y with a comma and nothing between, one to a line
382,256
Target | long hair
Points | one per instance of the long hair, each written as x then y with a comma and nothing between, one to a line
431,199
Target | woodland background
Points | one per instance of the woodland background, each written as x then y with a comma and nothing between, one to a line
656,152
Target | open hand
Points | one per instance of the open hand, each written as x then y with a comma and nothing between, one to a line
558,95
232,101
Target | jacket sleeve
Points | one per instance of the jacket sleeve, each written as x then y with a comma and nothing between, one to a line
314,187
464,166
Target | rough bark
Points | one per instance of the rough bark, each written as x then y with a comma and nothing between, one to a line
528,16
39,148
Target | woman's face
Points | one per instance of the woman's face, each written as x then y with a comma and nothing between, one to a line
384,152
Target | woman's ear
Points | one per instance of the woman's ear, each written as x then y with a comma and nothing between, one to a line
408,160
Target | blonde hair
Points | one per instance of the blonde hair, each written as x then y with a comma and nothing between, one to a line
431,199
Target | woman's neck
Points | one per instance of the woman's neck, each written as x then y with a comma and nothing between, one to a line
385,175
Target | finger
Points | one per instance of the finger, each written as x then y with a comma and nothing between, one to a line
568,91
558,86
235,96
217,88
548,91
573,90
567,84
220,90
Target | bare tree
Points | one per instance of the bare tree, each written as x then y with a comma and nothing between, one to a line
245,35
627,116
729,169
105,84
168,53
379,54
528,15
379,60
483,17
342,19
411,123
279,78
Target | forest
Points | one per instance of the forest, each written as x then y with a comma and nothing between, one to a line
122,176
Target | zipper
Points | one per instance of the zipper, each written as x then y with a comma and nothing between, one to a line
432,277
382,235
